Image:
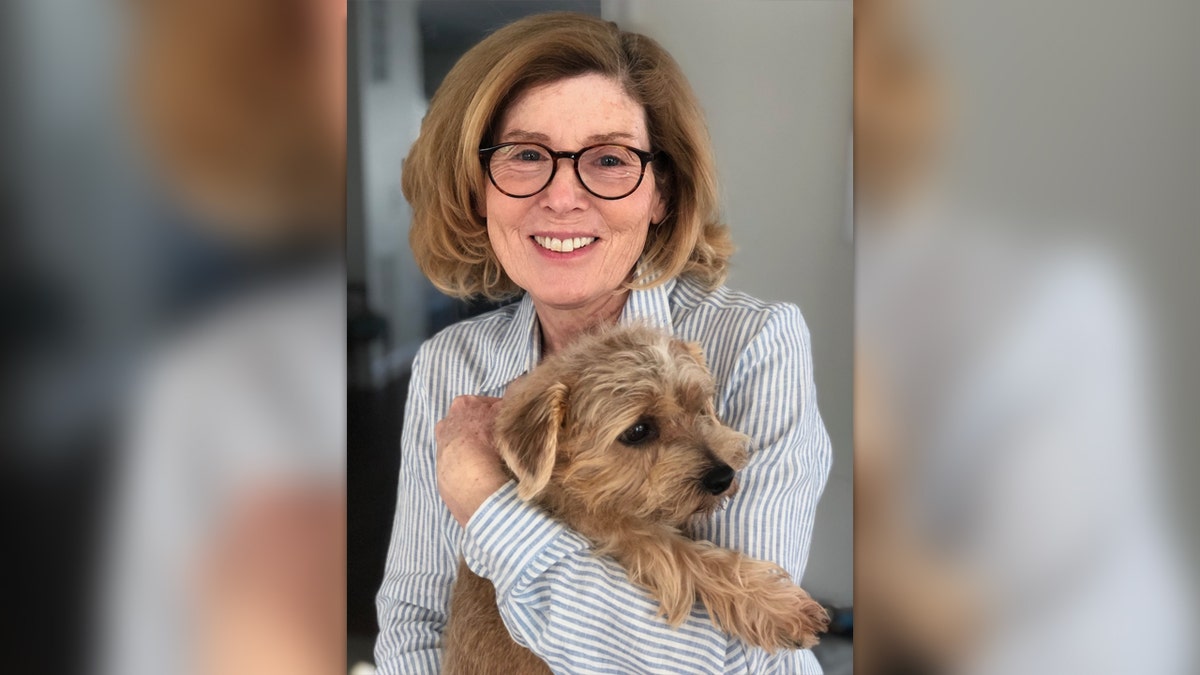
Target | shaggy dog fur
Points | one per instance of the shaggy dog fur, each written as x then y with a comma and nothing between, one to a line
617,437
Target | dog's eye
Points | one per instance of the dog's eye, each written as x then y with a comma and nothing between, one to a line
638,433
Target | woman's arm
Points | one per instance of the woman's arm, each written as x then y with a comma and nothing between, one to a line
579,612
415,595
772,398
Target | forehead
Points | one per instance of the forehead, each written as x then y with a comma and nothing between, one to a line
575,111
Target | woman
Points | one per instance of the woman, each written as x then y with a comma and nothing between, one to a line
568,162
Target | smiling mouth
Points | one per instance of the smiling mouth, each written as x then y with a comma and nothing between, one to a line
563,245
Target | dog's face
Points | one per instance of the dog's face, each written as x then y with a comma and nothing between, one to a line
621,425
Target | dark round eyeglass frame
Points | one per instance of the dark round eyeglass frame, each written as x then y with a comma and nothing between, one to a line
485,156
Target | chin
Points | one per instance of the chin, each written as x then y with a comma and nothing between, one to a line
564,295
564,300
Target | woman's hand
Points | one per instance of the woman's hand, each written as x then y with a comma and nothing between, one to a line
469,469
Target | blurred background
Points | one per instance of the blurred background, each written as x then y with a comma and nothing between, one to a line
774,79
1026,180
172,306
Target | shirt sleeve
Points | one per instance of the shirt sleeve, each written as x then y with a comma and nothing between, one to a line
414,599
580,613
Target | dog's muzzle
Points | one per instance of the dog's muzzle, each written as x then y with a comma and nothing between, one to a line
717,479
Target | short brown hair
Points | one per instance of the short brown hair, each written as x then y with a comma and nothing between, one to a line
443,176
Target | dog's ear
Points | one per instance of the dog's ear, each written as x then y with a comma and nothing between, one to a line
691,349
527,433
692,352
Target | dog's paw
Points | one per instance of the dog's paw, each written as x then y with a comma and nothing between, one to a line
813,620
793,621
772,612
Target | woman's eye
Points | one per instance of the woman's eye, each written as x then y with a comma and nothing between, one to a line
610,161
529,156
638,433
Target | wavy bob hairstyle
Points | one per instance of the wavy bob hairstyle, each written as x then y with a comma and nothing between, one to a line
443,178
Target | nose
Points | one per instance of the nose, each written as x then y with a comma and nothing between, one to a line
717,479
565,192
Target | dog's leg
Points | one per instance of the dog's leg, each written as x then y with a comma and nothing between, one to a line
476,640
751,599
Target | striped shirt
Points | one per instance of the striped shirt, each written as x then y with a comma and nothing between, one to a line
575,610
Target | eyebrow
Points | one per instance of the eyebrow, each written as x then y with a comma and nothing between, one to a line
522,135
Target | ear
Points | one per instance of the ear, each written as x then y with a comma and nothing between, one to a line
690,349
527,434
692,352
659,212
662,182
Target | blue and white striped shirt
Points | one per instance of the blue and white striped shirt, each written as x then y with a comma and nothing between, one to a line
579,612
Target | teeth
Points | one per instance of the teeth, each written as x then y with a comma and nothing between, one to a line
563,245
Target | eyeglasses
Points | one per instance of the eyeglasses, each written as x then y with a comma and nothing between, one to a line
607,171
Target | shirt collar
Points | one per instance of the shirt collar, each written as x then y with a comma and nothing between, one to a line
512,360
651,307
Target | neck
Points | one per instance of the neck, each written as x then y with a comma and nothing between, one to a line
562,326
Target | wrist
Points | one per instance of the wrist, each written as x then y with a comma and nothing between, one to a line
464,499
512,542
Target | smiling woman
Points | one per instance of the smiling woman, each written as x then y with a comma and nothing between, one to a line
498,94
561,278
627,232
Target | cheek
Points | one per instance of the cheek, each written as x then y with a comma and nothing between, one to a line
629,223
500,212
503,216
634,238
632,215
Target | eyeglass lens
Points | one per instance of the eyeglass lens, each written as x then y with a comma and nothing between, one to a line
525,169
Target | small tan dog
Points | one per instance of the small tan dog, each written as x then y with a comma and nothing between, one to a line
618,438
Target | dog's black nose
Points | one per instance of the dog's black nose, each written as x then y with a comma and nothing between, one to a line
718,479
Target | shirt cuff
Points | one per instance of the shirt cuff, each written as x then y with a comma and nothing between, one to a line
512,542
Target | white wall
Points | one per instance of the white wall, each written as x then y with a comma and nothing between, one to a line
775,80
